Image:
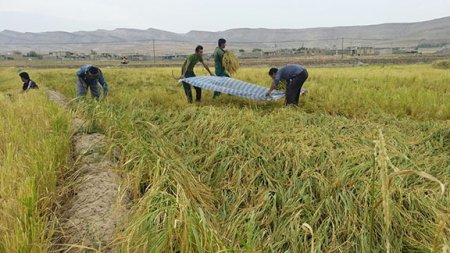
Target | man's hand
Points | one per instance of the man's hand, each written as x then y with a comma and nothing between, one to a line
84,83
105,90
269,93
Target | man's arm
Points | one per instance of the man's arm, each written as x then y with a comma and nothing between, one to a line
82,81
207,68
24,88
272,87
81,73
185,67
220,54
102,81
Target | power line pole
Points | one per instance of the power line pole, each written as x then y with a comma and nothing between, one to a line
342,48
154,55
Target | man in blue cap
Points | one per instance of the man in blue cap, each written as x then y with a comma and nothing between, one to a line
88,78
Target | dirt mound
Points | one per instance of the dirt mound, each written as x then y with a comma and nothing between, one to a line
57,98
90,214
88,144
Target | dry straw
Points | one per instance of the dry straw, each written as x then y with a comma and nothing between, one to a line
230,62
308,228
382,162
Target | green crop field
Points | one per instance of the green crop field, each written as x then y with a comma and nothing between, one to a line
362,165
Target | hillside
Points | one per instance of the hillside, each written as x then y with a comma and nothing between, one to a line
133,40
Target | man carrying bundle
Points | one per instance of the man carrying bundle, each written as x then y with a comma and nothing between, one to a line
218,61
294,75
188,71
88,78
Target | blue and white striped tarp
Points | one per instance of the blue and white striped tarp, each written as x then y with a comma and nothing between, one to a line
233,87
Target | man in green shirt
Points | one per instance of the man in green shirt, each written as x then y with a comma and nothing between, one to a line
218,59
188,71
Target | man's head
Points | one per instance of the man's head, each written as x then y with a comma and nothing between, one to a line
222,43
199,50
24,76
273,72
92,72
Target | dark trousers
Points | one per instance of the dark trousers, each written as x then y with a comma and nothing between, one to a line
188,90
293,88
219,71
91,84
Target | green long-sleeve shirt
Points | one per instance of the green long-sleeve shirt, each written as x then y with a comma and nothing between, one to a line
218,58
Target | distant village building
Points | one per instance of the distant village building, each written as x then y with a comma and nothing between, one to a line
105,56
384,51
270,53
312,51
16,55
362,51
61,55
285,51
250,54
171,57
168,57
136,57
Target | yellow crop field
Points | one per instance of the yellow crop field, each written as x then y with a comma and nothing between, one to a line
34,144
362,165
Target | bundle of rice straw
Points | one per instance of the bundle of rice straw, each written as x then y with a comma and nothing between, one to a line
230,62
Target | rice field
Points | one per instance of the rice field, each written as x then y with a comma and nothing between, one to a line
34,144
362,165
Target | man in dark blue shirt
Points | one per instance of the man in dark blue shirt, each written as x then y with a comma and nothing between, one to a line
294,75
27,82
88,78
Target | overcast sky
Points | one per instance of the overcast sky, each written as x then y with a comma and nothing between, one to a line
209,15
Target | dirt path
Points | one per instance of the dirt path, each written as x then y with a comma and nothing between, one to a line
93,209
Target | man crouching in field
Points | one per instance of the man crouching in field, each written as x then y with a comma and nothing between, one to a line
88,78
27,82
294,75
